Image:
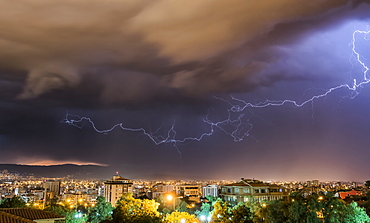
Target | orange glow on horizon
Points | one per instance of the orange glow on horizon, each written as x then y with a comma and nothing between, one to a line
58,162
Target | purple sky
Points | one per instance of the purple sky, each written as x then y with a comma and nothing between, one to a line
158,64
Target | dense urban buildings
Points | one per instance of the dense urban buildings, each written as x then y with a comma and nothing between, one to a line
81,195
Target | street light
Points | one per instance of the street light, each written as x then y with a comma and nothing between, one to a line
204,218
169,198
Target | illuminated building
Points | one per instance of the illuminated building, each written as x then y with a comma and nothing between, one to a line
160,189
247,189
210,190
115,188
52,186
189,190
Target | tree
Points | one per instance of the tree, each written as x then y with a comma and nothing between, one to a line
355,214
221,211
367,183
205,210
334,210
101,211
275,211
58,209
182,207
131,210
14,202
179,217
313,209
241,213
75,217
297,208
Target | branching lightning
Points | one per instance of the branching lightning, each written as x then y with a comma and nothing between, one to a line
238,123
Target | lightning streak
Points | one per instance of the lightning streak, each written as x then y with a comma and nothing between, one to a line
237,127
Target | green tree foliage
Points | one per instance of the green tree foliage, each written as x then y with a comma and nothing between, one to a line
221,211
355,214
241,213
367,183
313,209
182,207
334,209
71,215
211,199
101,211
58,209
367,204
131,210
205,210
162,203
75,217
14,202
274,211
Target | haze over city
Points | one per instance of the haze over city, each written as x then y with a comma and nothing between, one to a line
170,70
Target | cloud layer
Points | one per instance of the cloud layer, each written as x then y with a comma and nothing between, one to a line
128,51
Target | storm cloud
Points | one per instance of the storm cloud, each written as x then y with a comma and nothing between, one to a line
135,51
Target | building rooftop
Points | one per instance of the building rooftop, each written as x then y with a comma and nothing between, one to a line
252,183
29,214
9,218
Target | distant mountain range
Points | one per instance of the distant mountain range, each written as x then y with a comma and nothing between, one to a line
86,172
59,171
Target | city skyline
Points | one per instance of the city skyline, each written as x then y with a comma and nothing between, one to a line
195,90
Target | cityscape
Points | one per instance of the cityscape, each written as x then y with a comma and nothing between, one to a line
197,111
76,200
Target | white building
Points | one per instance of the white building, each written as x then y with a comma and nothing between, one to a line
210,190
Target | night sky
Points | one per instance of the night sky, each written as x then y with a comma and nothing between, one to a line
157,64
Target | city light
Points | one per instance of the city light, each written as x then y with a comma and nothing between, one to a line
169,197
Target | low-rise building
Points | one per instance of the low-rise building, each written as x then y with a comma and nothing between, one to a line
29,215
247,189
210,190
161,189
192,191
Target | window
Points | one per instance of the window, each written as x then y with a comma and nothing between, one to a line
228,190
247,190
236,190
256,191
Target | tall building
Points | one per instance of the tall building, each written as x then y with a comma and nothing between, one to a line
51,189
52,186
115,188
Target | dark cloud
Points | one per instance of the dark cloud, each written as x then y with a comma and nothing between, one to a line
138,51
149,64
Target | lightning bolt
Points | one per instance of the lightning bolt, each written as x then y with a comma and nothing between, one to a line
238,123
